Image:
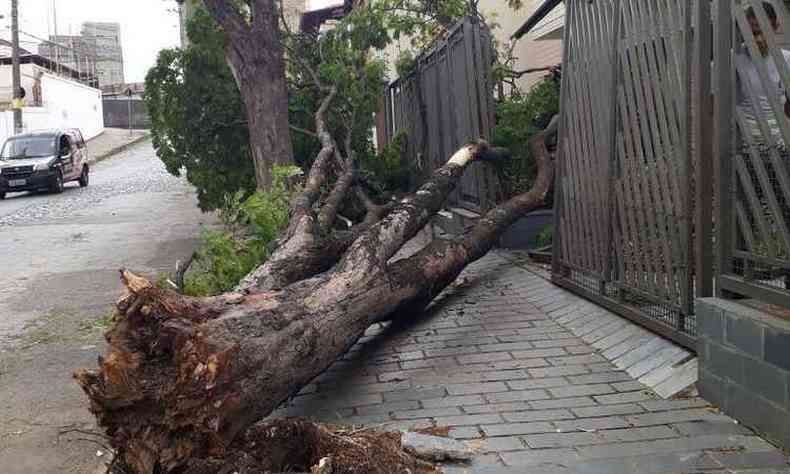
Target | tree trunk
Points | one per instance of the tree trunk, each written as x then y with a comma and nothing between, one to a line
255,56
183,377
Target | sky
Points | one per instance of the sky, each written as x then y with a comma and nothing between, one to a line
147,26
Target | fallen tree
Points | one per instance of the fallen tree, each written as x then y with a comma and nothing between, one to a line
186,381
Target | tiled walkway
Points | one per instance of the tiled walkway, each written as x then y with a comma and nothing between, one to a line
492,366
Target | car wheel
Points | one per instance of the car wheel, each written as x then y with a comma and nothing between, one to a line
57,186
84,177
2,195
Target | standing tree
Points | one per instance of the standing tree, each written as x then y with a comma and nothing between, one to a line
254,53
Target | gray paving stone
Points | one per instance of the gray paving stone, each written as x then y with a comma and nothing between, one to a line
603,377
562,403
461,420
508,429
503,443
472,388
506,346
517,395
638,434
414,394
628,386
575,360
497,407
760,460
640,353
674,416
539,353
616,351
561,440
551,457
465,432
579,390
558,371
720,442
538,415
486,357
571,341
617,337
385,408
426,413
590,424
663,405
697,428
579,350
607,410
503,375
537,383
624,397
670,355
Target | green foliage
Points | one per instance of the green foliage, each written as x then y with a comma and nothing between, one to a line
519,117
546,236
250,227
198,119
390,168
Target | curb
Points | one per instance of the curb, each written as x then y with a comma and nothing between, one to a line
118,149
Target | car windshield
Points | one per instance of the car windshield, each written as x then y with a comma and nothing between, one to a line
28,147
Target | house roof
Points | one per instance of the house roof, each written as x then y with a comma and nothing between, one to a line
311,20
542,11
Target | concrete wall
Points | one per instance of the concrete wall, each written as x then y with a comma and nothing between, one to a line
66,104
744,360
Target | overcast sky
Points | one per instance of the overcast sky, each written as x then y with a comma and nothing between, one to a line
147,26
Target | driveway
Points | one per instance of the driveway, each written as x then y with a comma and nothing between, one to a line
60,256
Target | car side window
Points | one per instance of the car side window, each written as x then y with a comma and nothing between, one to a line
65,145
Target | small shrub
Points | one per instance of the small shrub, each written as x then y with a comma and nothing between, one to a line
546,236
519,118
250,226
390,168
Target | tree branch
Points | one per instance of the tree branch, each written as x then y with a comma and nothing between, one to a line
228,17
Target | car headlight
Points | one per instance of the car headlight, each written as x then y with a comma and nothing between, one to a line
41,167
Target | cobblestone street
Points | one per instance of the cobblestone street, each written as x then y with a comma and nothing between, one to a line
490,365
60,258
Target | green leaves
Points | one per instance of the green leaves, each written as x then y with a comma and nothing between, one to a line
518,119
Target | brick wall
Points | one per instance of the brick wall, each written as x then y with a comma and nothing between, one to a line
744,357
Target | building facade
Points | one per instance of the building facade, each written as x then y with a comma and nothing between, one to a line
97,49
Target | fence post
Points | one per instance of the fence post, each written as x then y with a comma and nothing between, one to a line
722,124
703,252
612,149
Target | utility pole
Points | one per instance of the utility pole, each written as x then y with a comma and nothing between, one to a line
16,80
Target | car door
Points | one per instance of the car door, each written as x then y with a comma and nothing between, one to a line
81,156
66,157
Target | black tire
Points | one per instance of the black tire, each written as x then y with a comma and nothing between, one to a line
2,195
84,177
57,186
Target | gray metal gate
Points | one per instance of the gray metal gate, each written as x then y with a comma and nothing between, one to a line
625,173
447,101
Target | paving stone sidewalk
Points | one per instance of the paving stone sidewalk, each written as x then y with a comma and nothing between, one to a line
493,367
112,141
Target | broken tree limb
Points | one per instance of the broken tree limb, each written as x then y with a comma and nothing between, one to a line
185,380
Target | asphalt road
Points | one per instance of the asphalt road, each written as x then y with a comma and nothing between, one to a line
59,261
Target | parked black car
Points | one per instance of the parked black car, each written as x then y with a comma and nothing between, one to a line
43,160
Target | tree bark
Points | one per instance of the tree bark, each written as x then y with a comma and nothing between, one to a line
254,53
184,377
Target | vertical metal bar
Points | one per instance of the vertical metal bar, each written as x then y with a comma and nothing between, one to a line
612,158
703,250
561,155
687,168
723,127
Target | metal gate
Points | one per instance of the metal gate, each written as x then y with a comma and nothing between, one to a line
447,101
625,174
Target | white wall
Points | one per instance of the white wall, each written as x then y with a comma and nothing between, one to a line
66,104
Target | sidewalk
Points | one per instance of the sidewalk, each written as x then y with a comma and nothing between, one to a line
112,141
487,362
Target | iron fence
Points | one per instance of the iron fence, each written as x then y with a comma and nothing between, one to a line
446,101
